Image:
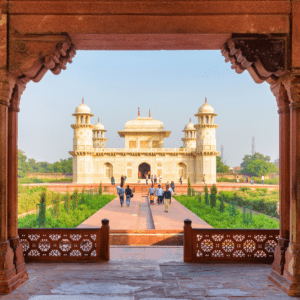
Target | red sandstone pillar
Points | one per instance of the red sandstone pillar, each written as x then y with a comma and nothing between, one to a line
12,182
187,241
290,280
105,244
284,178
7,267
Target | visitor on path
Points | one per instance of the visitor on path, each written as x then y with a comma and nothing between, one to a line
173,186
128,194
171,191
151,194
167,196
237,179
155,179
262,179
112,180
125,178
151,179
247,179
180,180
251,181
149,174
159,194
160,178
147,180
122,181
204,179
121,192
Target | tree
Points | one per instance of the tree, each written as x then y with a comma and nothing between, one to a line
221,168
258,165
23,166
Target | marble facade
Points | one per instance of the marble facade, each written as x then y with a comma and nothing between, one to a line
144,148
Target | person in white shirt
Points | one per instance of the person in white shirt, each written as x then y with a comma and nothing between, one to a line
160,178
262,179
172,192
121,192
151,194
159,194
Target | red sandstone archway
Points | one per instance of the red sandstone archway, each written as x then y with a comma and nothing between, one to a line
261,37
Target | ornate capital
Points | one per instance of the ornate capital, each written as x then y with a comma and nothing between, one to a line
3,102
281,96
16,97
284,110
30,56
263,56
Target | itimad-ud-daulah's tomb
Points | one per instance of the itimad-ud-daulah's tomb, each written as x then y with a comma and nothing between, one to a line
144,150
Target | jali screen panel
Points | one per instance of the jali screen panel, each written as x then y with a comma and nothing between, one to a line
63,244
244,245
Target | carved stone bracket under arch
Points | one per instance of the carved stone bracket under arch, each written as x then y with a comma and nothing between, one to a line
264,57
31,56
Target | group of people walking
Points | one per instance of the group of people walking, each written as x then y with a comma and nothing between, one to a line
127,192
163,197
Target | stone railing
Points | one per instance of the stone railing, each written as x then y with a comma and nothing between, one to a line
231,245
49,175
66,244
142,150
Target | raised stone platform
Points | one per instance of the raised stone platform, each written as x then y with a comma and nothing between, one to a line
144,273
143,188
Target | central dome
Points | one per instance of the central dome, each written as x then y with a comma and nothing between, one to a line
144,123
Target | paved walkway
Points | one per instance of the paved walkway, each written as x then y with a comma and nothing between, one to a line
147,273
139,216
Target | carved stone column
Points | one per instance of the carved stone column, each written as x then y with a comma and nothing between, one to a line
12,180
284,178
8,278
290,280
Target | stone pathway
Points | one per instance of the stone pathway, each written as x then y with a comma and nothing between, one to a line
147,273
139,215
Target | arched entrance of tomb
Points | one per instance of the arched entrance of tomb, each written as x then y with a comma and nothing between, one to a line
182,170
144,170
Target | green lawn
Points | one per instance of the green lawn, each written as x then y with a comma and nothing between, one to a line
223,220
71,220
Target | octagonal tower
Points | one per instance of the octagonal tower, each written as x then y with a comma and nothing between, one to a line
206,144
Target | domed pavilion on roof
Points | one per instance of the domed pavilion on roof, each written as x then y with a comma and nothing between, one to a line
144,153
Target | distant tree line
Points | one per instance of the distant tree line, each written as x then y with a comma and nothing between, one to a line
258,164
31,166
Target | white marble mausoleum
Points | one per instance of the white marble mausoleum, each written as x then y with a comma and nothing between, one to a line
144,150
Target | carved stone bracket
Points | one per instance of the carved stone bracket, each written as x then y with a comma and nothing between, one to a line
30,56
263,56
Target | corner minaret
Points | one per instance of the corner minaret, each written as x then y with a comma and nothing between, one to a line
82,145
206,144
189,140
99,140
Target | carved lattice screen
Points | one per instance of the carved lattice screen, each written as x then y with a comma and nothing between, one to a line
62,244
244,245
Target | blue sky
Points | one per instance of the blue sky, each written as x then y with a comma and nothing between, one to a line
173,84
